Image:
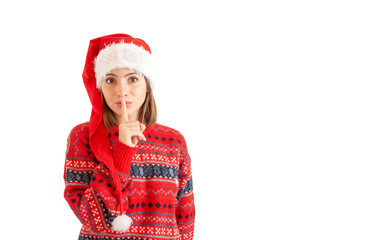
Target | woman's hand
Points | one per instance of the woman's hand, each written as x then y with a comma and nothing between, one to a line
130,132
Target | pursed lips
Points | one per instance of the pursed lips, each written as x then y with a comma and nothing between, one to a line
120,103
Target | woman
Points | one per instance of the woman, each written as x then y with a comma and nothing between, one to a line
126,176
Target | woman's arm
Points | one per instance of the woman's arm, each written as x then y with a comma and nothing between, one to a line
89,187
185,208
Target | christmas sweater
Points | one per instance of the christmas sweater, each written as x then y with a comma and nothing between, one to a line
156,181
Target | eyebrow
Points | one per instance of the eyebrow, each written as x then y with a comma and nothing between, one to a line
128,74
111,74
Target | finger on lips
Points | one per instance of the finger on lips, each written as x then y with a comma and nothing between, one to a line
124,119
124,115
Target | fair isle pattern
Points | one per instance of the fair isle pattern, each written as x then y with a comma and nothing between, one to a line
157,194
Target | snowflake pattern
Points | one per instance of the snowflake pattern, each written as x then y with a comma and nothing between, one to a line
162,186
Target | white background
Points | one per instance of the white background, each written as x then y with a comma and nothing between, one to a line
269,95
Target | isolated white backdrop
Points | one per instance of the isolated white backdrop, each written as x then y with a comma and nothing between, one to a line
270,96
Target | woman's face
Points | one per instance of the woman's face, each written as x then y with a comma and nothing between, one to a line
124,83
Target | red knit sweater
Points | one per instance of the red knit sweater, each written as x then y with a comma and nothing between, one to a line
156,184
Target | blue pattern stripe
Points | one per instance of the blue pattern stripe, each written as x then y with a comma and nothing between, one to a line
149,171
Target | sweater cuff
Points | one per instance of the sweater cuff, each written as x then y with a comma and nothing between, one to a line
122,156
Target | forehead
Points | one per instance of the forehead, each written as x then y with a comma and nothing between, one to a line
122,71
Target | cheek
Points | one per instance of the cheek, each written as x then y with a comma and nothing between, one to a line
141,92
108,95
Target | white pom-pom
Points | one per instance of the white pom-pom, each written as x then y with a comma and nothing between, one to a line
121,223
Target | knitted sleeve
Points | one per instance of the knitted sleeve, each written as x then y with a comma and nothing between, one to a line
185,208
89,187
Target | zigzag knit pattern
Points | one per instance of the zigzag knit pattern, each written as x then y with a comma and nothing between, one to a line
157,194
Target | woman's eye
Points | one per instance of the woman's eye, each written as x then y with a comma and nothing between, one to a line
134,79
109,80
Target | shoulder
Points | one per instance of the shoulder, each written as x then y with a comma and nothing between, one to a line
80,131
174,139
168,133
81,127
78,141
162,129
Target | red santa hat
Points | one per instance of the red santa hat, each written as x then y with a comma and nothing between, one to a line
129,53
105,54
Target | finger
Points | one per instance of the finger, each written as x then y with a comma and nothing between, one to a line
144,138
124,115
142,127
134,140
139,137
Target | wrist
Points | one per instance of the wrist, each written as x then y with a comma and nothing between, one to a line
122,157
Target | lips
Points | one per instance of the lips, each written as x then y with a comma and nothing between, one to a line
127,103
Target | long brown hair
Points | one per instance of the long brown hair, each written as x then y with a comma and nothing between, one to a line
147,115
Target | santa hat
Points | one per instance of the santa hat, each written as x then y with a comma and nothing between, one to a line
129,53
105,54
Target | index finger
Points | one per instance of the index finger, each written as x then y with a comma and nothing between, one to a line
124,115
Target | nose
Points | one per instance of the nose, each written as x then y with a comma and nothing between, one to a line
122,89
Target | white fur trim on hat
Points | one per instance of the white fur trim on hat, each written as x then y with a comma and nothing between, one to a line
122,55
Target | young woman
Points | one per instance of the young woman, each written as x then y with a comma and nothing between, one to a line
126,176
